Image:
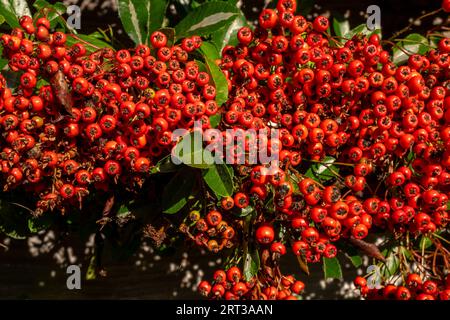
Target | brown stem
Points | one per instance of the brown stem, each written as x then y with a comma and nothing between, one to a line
412,23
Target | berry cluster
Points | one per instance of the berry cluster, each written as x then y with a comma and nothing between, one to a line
230,285
386,126
211,232
80,121
413,289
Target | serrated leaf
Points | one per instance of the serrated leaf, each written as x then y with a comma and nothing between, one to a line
219,179
178,190
12,10
227,35
206,19
332,268
251,264
413,43
322,171
190,151
140,18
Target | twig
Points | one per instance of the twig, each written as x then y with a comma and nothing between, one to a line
412,23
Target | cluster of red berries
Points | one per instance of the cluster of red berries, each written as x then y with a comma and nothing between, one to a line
81,121
230,285
413,289
348,101
211,232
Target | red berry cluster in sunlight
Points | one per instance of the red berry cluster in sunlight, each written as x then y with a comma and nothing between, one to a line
80,121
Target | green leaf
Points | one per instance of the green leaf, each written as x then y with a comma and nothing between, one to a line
425,242
218,78
140,18
210,51
227,35
413,43
165,165
243,212
178,190
341,26
219,179
3,63
52,12
91,274
123,211
332,268
361,30
392,262
322,171
190,151
36,224
356,260
251,264
12,10
206,19
214,120
92,43
2,19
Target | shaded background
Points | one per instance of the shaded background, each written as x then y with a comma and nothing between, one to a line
35,267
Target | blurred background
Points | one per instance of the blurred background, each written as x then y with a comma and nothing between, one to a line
35,267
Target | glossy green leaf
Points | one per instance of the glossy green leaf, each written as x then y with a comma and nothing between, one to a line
190,151
214,120
177,191
140,18
206,19
413,43
227,35
218,177
425,242
251,264
322,171
332,268
12,10
91,42
218,78
209,50
243,212
341,26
